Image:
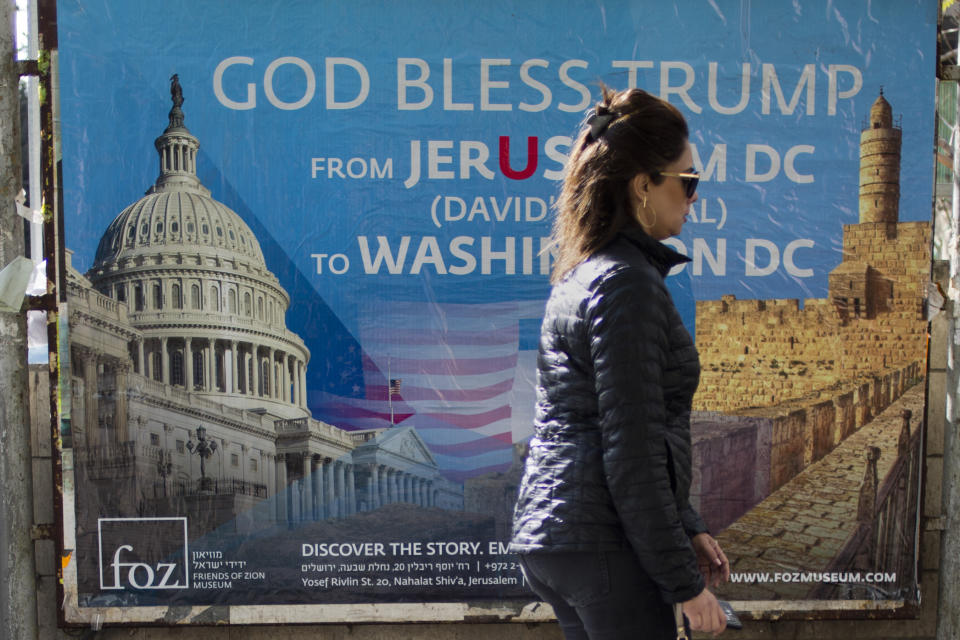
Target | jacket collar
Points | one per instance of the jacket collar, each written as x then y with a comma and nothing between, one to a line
663,257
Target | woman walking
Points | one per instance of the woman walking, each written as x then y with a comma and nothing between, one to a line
603,524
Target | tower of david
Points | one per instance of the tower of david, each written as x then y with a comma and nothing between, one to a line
807,411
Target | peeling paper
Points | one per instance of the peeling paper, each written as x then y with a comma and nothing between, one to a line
33,215
37,286
13,283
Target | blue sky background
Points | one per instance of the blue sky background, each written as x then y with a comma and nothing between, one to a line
116,59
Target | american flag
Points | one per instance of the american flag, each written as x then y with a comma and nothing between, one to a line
458,367
465,392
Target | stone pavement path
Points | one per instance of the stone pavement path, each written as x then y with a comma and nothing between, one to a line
805,523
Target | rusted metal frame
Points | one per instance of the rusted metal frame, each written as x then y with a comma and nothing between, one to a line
28,68
47,15
908,611
55,261
45,302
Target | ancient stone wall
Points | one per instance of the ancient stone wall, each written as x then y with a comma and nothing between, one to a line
731,458
739,459
759,353
819,431
846,415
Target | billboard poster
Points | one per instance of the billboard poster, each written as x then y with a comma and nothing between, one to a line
308,248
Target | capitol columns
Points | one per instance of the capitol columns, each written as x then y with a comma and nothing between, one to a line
188,362
281,492
373,493
340,490
394,485
164,361
210,353
386,485
328,480
318,488
294,381
90,392
302,377
278,374
244,364
289,365
271,391
319,485
249,370
256,385
120,394
384,495
351,490
234,382
142,357
308,497
269,474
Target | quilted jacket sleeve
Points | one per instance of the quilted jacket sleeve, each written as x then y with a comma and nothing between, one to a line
692,522
627,322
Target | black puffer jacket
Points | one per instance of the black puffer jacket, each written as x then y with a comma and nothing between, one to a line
609,462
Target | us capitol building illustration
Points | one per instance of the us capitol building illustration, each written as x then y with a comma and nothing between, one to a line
189,392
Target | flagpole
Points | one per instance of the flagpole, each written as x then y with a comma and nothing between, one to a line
390,390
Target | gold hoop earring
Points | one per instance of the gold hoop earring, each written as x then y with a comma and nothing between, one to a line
640,219
651,224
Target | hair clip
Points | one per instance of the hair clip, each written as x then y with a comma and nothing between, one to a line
599,121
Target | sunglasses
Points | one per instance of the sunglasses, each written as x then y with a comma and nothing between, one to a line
690,179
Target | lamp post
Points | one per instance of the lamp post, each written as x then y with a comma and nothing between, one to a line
164,468
203,448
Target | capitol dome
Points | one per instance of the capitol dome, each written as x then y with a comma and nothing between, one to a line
184,219
177,212
211,314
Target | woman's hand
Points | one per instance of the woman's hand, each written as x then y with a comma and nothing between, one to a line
713,562
704,613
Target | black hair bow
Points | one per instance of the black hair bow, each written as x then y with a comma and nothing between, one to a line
599,120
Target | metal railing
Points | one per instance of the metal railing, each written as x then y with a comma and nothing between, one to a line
884,541
225,487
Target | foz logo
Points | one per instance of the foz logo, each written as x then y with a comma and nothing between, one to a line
143,553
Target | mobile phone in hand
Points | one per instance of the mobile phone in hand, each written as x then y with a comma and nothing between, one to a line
733,622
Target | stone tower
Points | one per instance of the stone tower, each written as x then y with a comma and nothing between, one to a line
880,165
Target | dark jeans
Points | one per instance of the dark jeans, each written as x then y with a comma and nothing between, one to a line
600,595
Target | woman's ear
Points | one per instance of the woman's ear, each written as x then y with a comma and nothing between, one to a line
638,187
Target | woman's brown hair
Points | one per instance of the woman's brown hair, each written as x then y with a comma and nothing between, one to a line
629,132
